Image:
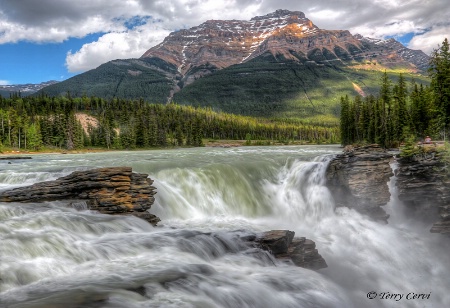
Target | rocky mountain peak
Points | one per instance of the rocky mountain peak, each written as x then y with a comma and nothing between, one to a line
217,44
283,34
393,48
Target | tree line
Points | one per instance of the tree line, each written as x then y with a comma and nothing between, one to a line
42,121
401,112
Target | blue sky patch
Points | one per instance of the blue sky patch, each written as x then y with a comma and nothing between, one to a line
27,62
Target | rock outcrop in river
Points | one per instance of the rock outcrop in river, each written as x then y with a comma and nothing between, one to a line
358,179
284,246
115,190
424,188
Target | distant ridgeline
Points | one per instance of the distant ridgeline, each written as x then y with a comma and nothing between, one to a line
73,123
401,112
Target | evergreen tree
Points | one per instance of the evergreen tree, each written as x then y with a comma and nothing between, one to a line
386,135
179,135
345,121
400,116
34,138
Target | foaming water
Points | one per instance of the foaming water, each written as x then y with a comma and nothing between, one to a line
54,256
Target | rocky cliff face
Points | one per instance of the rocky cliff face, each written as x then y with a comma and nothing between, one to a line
286,35
114,190
424,188
358,179
221,43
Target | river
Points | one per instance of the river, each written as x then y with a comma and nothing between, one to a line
54,256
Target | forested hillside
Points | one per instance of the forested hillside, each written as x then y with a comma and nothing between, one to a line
34,122
125,79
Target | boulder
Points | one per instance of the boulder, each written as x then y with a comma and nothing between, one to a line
284,246
115,190
359,178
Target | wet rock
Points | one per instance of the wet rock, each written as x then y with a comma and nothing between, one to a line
277,241
424,188
115,190
284,246
359,178
14,157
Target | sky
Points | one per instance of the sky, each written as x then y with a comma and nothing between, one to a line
57,39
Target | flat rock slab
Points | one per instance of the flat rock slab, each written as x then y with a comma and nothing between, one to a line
115,190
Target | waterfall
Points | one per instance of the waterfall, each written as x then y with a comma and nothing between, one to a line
52,255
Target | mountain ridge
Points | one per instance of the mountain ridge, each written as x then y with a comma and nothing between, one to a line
219,62
26,88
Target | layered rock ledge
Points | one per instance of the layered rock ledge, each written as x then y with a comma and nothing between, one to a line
359,178
424,188
115,190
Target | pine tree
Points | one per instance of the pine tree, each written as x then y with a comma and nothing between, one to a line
345,121
34,138
179,135
401,115
385,111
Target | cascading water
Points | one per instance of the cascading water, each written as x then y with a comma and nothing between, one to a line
54,256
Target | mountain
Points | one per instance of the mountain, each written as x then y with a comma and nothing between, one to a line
287,35
24,89
417,58
277,65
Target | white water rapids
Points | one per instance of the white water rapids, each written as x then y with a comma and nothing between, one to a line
54,256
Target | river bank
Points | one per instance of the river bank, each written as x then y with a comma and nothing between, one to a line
206,143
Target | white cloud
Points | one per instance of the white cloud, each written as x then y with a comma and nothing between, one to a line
397,28
431,39
4,82
116,45
28,20
326,14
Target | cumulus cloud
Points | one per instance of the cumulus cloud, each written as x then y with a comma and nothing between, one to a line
4,82
115,45
431,39
58,20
